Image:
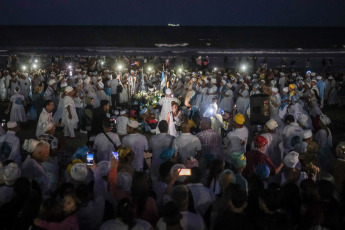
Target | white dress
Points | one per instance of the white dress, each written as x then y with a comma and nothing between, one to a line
3,90
242,103
17,110
68,101
201,96
100,93
174,121
227,103
92,94
58,114
124,94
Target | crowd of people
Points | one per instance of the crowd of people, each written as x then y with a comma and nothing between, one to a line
171,147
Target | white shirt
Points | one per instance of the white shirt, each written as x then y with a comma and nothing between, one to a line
158,143
138,143
33,170
119,225
45,117
121,125
203,197
189,221
292,135
104,147
236,141
13,141
113,84
186,145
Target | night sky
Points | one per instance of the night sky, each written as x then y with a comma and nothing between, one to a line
184,12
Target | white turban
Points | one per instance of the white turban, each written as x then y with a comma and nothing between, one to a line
271,124
303,119
291,159
307,134
79,172
325,120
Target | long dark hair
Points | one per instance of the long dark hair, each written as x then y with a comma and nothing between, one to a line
140,191
125,211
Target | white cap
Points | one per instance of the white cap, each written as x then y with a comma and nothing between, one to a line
274,90
133,124
11,124
286,89
324,119
271,124
123,112
307,134
68,89
52,81
313,74
12,173
64,84
233,78
282,74
330,78
30,145
303,119
319,78
214,81
291,159
124,181
87,80
229,85
168,91
79,172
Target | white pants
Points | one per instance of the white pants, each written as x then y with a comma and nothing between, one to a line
68,131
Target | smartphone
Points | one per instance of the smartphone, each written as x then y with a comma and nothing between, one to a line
116,155
89,159
185,172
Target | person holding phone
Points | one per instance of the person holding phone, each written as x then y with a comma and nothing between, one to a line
106,142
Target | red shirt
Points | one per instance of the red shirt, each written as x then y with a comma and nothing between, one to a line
255,157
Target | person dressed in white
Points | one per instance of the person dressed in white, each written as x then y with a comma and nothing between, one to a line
227,102
307,138
137,142
332,91
3,89
69,117
33,169
292,133
187,145
124,95
58,114
165,102
211,93
25,83
157,144
10,144
50,94
236,140
202,90
174,119
121,123
242,101
91,92
103,146
16,106
45,117
275,104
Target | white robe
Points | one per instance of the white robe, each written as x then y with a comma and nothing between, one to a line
68,102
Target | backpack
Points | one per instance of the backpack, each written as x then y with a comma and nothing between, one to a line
119,88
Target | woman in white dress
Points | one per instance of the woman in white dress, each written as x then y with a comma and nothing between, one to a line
16,106
58,114
323,137
100,90
202,90
211,93
69,117
124,94
91,92
227,102
242,102
174,118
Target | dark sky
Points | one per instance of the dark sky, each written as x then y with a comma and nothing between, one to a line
183,12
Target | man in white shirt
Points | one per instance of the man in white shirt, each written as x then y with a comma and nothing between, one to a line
189,220
114,94
236,140
121,123
187,145
103,146
137,143
203,197
33,169
45,117
10,144
292,133
159,143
